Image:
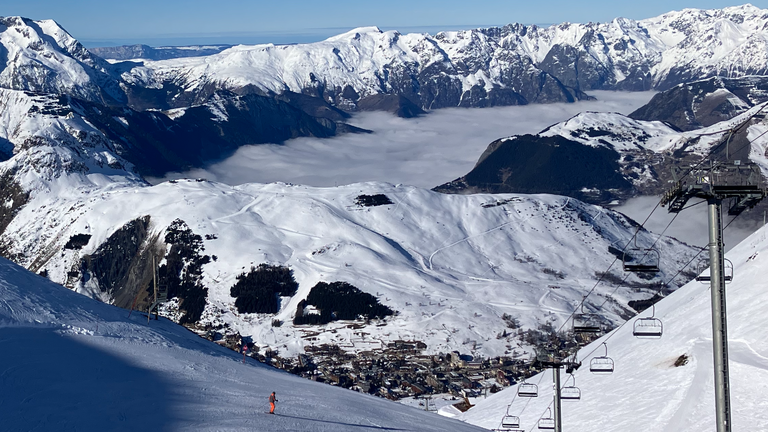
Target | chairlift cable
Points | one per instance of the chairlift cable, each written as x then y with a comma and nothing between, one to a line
701,249
693,205
642,225
541,376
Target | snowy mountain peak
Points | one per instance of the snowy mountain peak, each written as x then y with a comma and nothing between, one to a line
355,33
42,57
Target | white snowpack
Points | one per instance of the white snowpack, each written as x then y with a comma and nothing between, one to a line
72,363
646,391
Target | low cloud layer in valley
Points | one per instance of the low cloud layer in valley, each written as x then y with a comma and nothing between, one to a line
425,151
436,148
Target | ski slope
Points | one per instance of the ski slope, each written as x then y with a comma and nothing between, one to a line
70,363
451,265
646,391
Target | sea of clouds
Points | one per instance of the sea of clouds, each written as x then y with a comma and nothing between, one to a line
436,148
426,151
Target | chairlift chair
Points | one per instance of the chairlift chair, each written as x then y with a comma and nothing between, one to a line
649,327
586,322
601,364
547,423
570,392
509,421
735,178
640,260
528,390
703,267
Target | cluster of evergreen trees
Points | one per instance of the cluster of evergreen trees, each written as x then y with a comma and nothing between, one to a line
372,200
182,272
339,301
258,291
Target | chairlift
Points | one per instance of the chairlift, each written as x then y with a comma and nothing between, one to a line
641,260
586,322
648,328
570,392
547,423
601,364
735,178
703,267
510,421
528,390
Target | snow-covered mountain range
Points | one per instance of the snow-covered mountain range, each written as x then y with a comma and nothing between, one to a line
665,384
77,208
450,265
513,64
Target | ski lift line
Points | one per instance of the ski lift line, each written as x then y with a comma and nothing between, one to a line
583,300
541,376
701,249
615,331
610,335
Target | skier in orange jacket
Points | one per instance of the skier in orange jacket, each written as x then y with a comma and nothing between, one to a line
272,400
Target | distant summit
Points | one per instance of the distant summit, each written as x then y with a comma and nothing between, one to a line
131,52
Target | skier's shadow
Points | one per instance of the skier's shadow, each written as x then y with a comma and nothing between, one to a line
344,424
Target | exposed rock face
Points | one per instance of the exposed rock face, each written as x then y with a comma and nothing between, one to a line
703,103
398,105
122,265
606,158
549,164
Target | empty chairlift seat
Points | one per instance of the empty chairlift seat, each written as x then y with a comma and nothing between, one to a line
587,323
509,423
547,422
703,271
641,260
601,364
649,327
570,392
528,390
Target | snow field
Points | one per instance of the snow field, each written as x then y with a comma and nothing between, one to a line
71,363
646,391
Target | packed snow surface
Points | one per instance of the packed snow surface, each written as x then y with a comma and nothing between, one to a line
72,363
647,391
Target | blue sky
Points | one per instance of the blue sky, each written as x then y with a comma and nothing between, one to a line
156,22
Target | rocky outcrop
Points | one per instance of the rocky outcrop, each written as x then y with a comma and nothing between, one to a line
703,103
121,267
554,165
